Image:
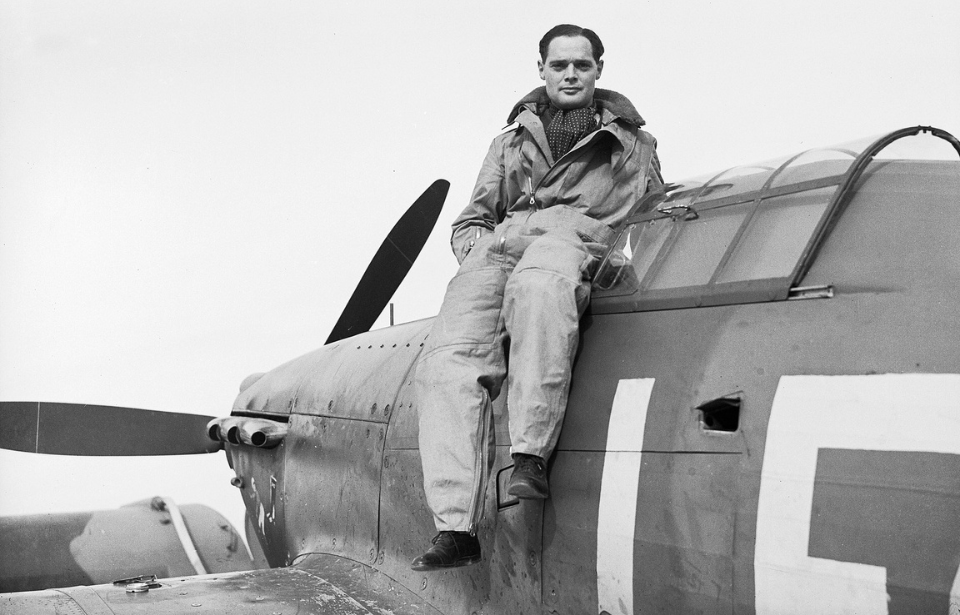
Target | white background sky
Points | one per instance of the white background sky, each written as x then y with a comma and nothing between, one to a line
189,191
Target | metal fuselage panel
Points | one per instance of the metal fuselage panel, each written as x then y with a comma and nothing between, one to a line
319,491
316,585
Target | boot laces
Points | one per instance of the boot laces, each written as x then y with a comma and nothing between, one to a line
526,463
439,536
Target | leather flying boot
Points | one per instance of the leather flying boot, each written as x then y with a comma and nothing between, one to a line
529,478
449,550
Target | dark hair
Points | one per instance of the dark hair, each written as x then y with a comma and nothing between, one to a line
571,30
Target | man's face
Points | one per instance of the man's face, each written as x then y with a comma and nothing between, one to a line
570,72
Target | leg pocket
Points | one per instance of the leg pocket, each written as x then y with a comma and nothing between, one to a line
470,313
557,264
558,251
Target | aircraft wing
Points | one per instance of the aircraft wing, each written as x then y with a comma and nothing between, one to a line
318,584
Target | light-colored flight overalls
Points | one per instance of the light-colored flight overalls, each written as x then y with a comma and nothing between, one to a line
524,284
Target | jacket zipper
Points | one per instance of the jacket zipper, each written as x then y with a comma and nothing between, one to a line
557,163
530,188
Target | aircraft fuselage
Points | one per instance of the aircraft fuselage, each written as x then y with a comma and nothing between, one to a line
828,479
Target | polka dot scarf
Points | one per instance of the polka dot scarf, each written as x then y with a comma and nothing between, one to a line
568,127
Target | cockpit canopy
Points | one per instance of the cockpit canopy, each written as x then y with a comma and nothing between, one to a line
746,234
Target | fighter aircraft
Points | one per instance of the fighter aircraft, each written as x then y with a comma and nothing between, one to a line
764,418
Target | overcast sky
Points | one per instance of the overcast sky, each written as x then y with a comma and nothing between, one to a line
190,190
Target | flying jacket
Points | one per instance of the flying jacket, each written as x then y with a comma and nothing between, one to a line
602,177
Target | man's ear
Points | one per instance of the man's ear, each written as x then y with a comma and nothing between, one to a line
599,68
540,69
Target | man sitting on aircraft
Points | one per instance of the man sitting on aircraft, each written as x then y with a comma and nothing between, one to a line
551,190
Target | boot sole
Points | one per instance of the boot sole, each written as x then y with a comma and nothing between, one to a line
467,561
527,492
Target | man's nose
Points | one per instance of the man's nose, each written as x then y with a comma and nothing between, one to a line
569,74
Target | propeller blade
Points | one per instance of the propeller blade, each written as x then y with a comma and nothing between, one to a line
391,263
82,429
